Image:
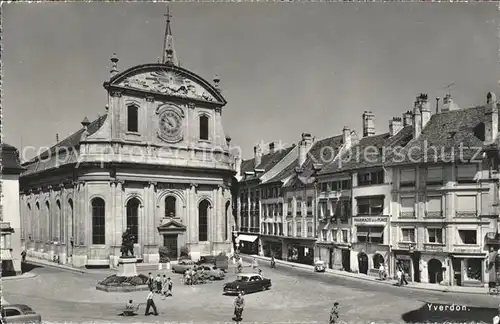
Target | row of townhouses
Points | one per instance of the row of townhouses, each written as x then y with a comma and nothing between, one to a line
423,195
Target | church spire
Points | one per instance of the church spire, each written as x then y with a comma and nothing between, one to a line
169,56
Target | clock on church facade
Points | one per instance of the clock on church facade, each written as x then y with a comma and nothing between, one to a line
153,163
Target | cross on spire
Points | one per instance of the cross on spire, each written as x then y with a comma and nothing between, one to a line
169,56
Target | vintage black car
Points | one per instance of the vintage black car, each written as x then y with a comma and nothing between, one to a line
247,282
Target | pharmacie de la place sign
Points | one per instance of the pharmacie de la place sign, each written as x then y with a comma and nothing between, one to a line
370,219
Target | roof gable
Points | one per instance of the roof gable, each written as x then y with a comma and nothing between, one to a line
168,80
268,161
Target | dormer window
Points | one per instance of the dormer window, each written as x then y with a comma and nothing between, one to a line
132,119
204,128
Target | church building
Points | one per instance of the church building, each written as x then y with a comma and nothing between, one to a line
157,162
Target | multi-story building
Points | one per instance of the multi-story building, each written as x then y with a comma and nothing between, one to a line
357,188
445,193
255,174
10,217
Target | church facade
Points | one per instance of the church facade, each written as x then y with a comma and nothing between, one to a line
157,162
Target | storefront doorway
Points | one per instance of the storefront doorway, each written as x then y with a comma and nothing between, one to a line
378,260
170,242
363,263
346,260
435,269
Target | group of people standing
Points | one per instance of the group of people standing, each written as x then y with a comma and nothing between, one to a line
401,274
160,285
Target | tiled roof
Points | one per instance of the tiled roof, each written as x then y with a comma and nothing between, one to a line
369,151
47,159
454,135
267,161
10,159
285,173
322,152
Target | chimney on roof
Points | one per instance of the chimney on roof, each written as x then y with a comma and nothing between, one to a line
346,136
408,118
304,146
449,104
437,105
274,147
237,166
417,120
85,122
368,124
57,138
257,154
395,125
425,109
491,120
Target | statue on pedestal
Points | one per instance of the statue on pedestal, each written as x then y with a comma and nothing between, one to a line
127,243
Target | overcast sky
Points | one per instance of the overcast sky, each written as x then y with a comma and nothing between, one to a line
285,68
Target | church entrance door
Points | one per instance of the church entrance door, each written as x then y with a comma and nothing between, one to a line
170,242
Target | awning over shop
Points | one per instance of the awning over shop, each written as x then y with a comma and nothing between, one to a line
469,256
247,238
5,254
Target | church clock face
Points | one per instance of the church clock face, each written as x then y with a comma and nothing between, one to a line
170,126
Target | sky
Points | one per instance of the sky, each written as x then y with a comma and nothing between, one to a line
285,68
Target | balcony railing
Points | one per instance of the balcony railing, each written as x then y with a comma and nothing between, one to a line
434,214
410,214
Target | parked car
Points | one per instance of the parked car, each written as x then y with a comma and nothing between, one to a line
220,261
19,313
212,272
247,282
319,266
182,266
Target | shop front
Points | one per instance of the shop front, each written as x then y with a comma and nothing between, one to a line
435,265
367,258
300,251
470,269
247,244
409,260
325,252
272,246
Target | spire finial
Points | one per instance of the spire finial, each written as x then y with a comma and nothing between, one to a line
114,60
169,56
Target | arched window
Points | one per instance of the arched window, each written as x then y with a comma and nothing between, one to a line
170,206
48,223
204,127
133,217
98,221
59,223
71,225
203,220
226,221
37,223
132,118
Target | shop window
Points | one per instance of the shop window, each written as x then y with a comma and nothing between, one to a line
435,235
468,236
408,234
434,175
370,205
474,269
324,234
370,178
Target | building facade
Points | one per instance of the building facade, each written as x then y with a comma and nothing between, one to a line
10,218
444,199
157,162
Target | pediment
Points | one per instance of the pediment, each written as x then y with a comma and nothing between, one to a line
171,225
167,80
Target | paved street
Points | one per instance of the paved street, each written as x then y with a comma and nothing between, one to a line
297,295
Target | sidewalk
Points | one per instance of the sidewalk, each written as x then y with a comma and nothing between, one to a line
46,263
23,276
357,276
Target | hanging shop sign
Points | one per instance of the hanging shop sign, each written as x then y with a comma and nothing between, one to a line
370,220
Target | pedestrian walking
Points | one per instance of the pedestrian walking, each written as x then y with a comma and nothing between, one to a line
164,286
239,305
334,313
399,276
381,271
23,256
273,262
403,277
150,303
158,284
254,264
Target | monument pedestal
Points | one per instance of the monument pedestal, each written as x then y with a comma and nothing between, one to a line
127,267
